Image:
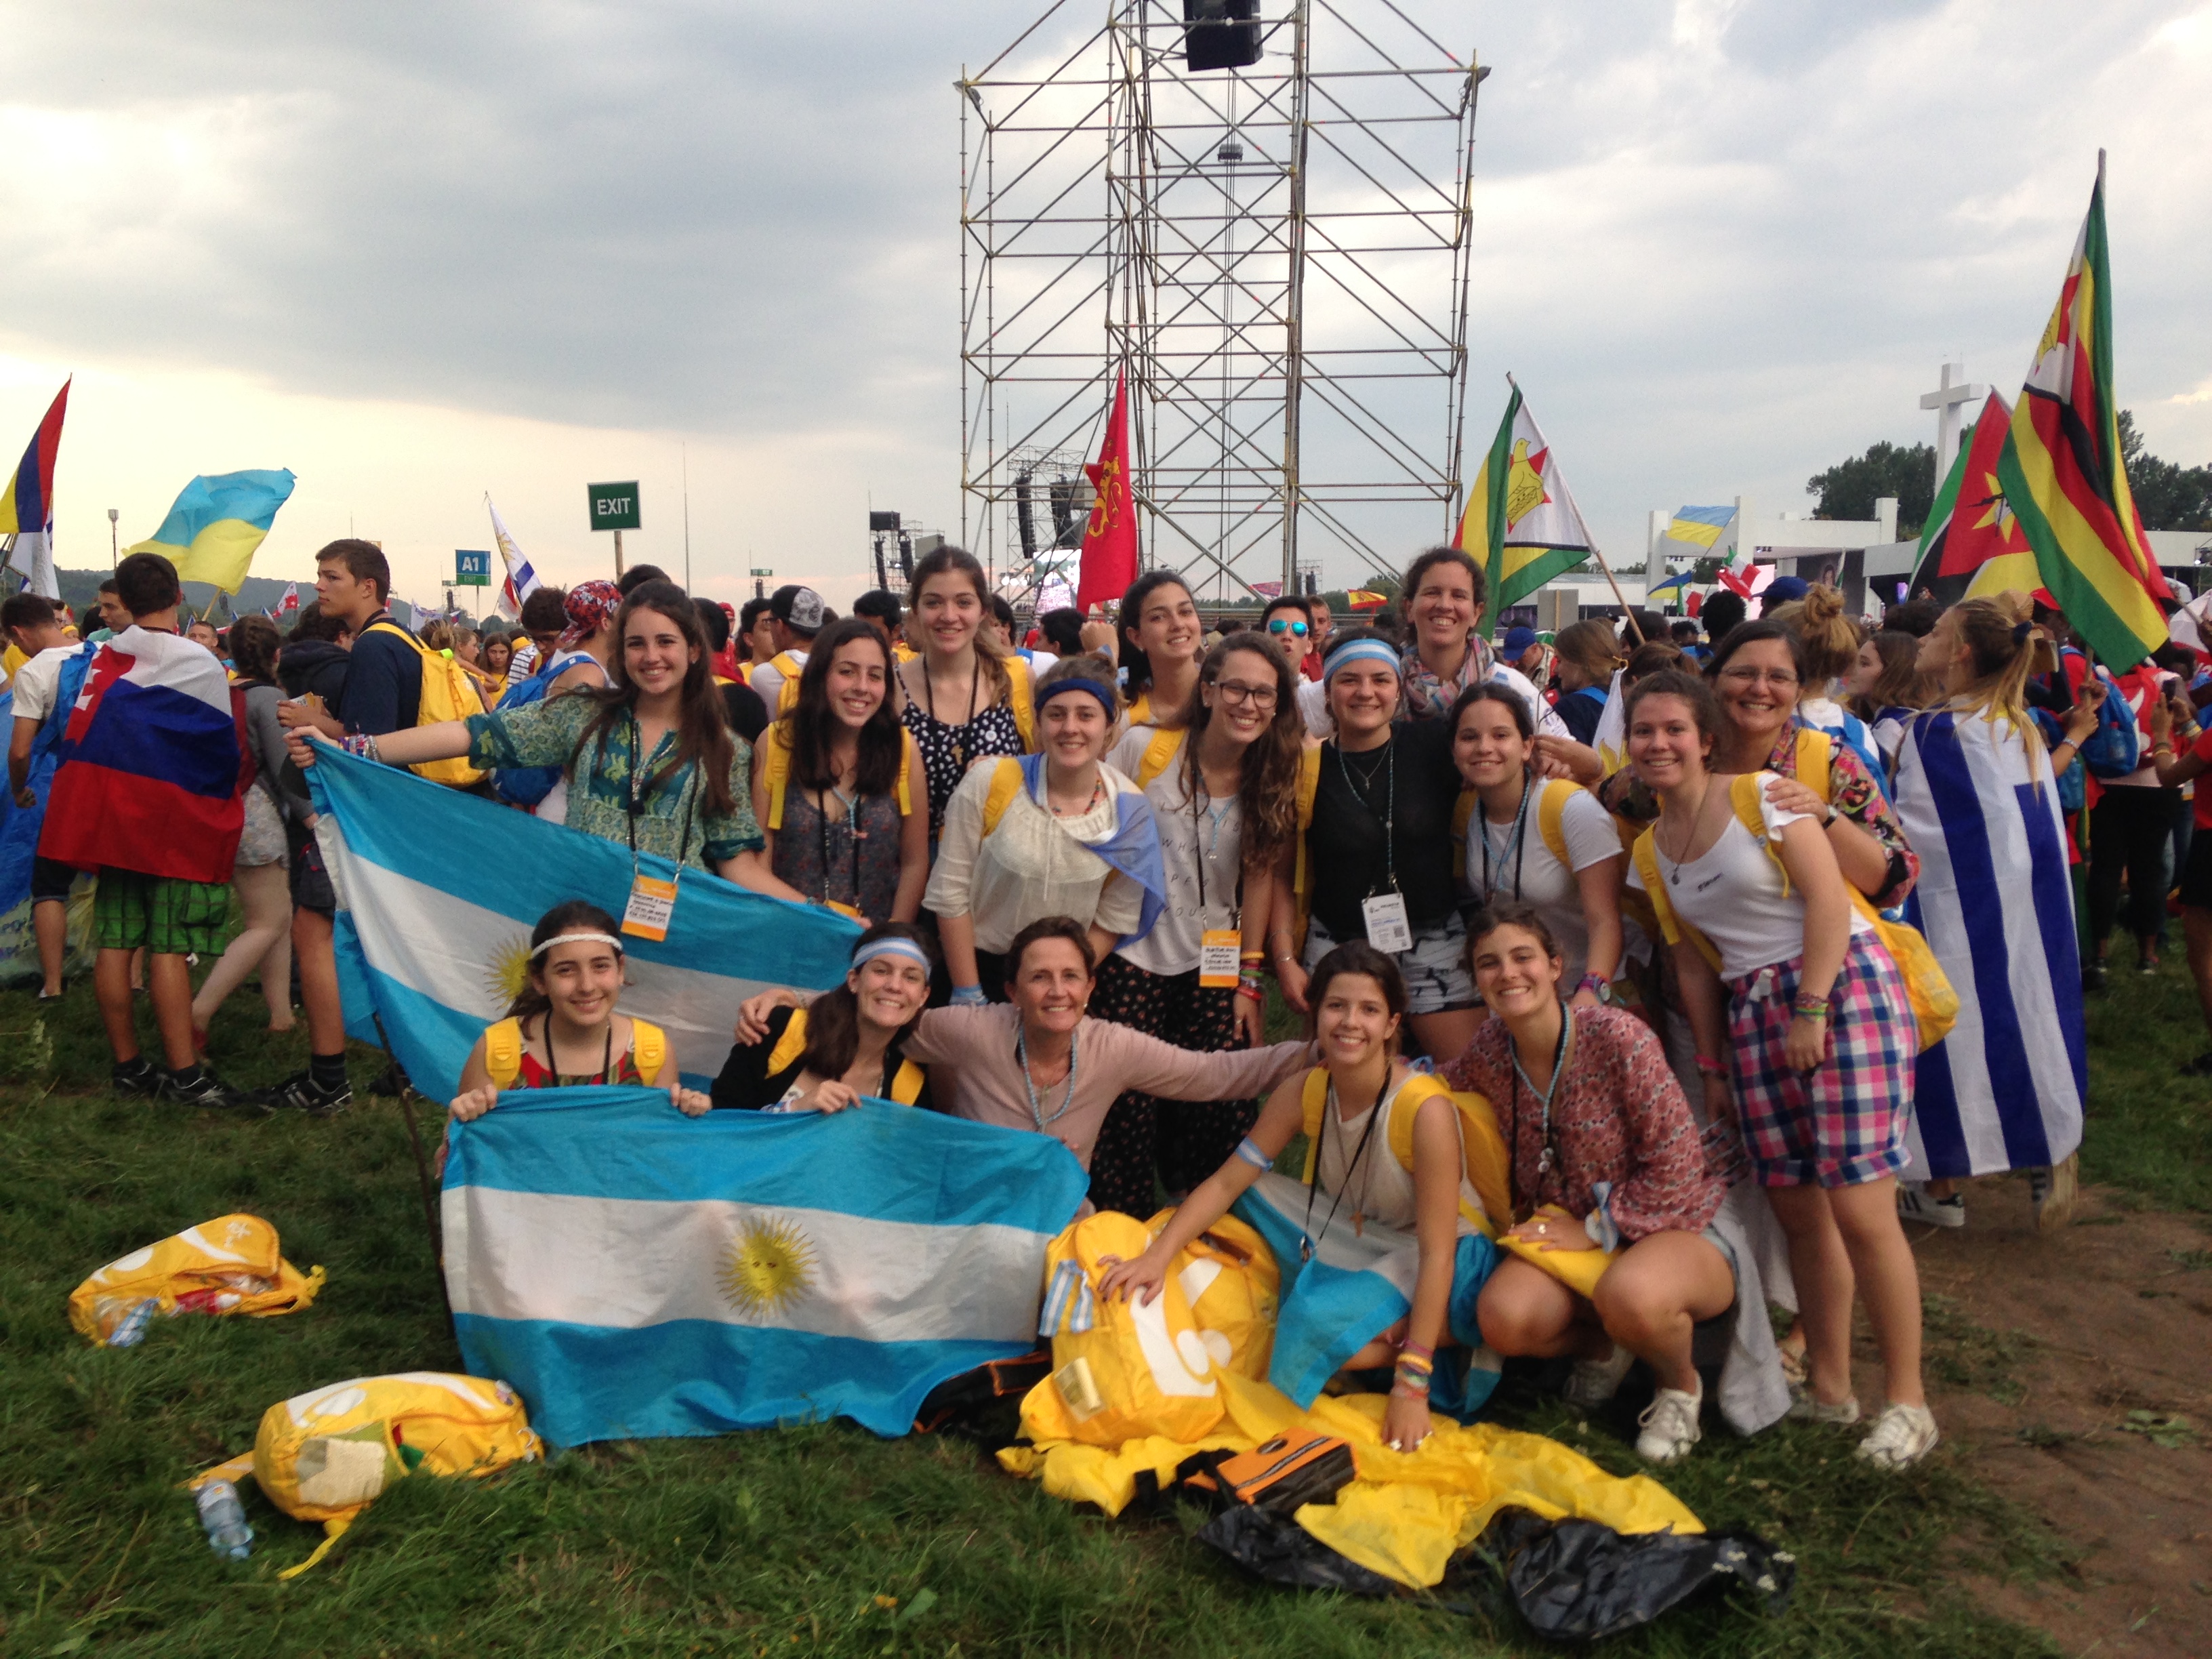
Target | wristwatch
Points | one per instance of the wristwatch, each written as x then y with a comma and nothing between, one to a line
1600,989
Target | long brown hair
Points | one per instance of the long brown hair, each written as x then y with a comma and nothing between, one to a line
833,1019
1268,780
703,730
1900,685
812,725
961,562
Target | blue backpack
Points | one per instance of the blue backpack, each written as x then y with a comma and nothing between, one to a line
2115,748
526,786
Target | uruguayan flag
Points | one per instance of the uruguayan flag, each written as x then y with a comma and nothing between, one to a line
437,892
637,1272
1358,1284
2004,1090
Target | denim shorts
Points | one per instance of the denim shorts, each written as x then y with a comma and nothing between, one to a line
1435,970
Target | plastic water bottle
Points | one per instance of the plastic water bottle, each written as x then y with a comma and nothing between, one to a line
131,1329
224,1517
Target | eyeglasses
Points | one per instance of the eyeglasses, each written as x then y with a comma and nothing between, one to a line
1260,696
1775,677
1281,625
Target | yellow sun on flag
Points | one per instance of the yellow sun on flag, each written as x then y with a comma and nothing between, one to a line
1524,483
507,973
769,1266
1999,515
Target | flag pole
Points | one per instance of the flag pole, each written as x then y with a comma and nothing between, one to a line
1628,615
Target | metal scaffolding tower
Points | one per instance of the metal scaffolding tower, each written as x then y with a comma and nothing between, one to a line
1277,254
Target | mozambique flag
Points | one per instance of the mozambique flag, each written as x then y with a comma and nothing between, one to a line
1972,543
1522,523
2060,470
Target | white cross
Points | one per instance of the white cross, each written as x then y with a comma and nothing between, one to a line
1947,400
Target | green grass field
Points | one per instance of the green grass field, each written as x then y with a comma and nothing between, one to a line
821,1540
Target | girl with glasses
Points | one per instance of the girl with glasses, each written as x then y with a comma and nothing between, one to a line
1221,775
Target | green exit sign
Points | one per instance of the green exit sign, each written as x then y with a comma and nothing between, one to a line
614,505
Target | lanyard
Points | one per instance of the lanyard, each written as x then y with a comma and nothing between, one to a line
690,798
1548,1157
1036,1112
553,1064
1388,816
1306,1242
1201,854
929,695
1516,849
856,834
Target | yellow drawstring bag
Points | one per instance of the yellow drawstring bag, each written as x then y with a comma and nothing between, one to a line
1120,1371
326,1456
230,1265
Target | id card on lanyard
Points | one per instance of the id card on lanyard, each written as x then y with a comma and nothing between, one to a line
1384,914
1220,949
652,907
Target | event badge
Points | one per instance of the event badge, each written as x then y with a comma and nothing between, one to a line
1388,930
652,907
1221,955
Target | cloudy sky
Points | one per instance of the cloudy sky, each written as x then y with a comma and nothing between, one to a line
419,252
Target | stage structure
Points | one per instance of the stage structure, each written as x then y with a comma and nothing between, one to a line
1274,244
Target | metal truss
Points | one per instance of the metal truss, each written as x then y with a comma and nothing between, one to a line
1278,256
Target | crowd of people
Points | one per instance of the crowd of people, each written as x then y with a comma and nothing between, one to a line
1726,927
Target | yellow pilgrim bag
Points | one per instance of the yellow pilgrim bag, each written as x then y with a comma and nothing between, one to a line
326,1456
230,1265
648,1048
1578,1270
1488,1165
1120,1371
447,693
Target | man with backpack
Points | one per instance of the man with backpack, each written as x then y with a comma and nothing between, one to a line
393,683
797,615
577,659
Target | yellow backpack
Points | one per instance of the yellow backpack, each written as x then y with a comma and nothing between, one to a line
328,1454
1551,819
1934,1003
906,1084
1160,754
448,694
648,1046
1489,1165
1302,870
1021,697
775,757
1122,1373
787,664
230,1265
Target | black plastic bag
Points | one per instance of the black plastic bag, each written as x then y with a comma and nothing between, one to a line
1267,1544
1575,1581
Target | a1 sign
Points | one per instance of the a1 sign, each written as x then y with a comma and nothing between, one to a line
471,569
614,505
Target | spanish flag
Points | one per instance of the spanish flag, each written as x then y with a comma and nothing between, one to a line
212,532
1521,525
2060,470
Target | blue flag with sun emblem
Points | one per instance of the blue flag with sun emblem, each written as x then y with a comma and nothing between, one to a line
635,1272
437,892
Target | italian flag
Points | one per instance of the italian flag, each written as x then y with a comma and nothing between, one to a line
2060,470
1521,525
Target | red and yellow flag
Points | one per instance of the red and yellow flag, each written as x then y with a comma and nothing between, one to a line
2060,470
1109,540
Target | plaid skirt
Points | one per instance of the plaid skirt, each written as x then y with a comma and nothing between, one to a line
1843,1122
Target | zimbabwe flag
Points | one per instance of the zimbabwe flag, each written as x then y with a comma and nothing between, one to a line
2060,469
1521,525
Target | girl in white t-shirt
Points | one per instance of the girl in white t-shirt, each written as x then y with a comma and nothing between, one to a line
1820,1036
1510,854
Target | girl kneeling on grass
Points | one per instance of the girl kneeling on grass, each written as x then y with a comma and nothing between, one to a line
1605,1156
1819,1035
562,1031
1358,1001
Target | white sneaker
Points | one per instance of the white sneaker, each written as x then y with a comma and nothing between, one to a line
1593,1381
1670,1426
1913,1204
1902,1436
1806,1407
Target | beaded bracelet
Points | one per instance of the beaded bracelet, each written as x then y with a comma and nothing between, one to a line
1417,1350
1809,1007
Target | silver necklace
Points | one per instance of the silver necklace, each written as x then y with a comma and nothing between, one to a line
1029,1083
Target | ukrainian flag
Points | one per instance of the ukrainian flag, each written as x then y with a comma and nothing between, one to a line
212,532
1700,527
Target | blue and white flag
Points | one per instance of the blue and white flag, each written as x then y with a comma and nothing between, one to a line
437,892
1359,1283
1996,899
636,1272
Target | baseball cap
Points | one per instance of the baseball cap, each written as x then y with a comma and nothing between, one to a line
1783,589
799,608
1518,639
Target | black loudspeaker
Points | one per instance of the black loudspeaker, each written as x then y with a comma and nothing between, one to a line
1024,515
1219,34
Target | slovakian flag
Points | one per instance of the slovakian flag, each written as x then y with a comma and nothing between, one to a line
26,505
149,765
2061,473
1109,540
1521,525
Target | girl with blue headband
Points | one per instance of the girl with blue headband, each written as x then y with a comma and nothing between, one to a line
848,1042
1058,833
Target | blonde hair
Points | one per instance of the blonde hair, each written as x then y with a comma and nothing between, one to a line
1592,647
1830,640
2002,640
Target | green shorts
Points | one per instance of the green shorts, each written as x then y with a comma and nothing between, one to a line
167,915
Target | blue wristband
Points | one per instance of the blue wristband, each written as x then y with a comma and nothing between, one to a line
969,996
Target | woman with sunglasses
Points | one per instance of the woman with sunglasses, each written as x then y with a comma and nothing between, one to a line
1221,775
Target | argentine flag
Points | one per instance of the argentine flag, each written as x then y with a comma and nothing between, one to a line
437,892
636,1272
1358,1283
